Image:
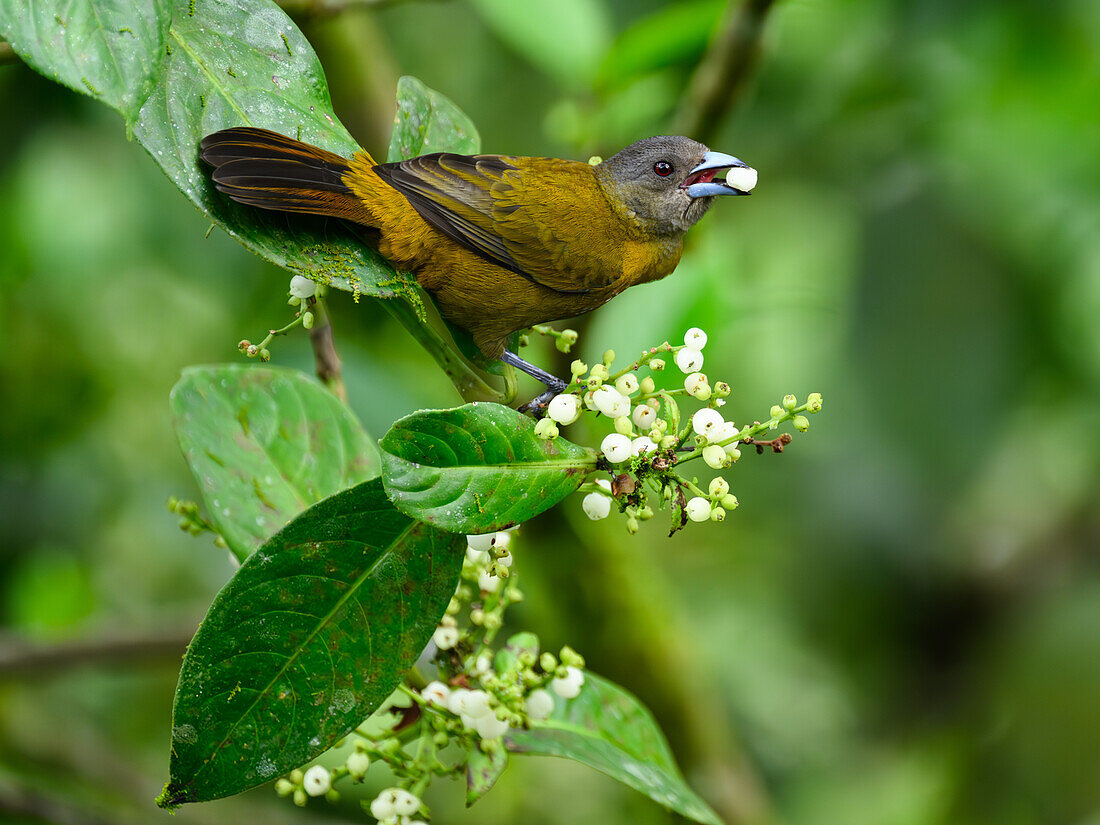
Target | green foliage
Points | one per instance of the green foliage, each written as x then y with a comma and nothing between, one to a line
246,63
482,772
608,729
112,50
428,122
264,444
478,468
313,633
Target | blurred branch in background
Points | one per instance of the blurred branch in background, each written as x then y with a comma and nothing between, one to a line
7,54
19,658
724,71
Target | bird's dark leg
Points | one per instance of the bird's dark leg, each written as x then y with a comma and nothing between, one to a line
554,385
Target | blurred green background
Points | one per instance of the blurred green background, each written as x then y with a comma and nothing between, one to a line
901,624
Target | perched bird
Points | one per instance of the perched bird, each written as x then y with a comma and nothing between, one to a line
501,243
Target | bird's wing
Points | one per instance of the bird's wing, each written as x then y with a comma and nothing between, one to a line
546,220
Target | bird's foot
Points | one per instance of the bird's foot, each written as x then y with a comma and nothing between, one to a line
554,385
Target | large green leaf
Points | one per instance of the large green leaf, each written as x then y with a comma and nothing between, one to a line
564,38
112,50
310,636
608,729
243,62
478,468
426,122
264,444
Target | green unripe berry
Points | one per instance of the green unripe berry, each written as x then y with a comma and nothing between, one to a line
789,402
548,662
777,411
657,364
813,402
578,368
244,344
284,787
300,797
307,320
801,423
265,354
252,350
730,502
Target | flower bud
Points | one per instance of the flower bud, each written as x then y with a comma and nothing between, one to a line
722,390
564,408
445,637
546,428
357,764
697,509
623,426
715,457
627,384
302,287
539,704
608,359
657,364
607,399
307,320
695,338
702,392
789,402
316,781
777,411
568,686
694,381
707,422
644,416
284,787
600,371
616,448
596,506
689,360
801,423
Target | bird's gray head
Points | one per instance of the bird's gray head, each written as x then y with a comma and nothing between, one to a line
667,181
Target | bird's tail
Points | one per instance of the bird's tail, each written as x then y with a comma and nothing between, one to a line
265,169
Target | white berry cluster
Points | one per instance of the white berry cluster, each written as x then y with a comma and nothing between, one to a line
650,438
479,693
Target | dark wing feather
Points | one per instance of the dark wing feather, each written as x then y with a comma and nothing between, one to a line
459,196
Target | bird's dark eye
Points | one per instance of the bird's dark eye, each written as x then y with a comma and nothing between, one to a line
662,168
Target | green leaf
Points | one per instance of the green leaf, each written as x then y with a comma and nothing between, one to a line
608,729
112,50
564,38
243,62
264,444
482,772
426,122
310,636
675,34
478,468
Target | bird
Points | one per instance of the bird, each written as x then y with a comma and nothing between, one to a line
500,242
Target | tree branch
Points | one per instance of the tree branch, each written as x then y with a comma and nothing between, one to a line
20,658
7,53
723,73
326,361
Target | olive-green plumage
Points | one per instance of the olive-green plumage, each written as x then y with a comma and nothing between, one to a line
500,242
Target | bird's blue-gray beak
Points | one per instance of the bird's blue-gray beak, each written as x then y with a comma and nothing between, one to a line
740,177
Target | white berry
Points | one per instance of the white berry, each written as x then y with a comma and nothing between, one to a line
689,360
596,506
695,338
616,448
564,408
698,509
317,780
540,704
